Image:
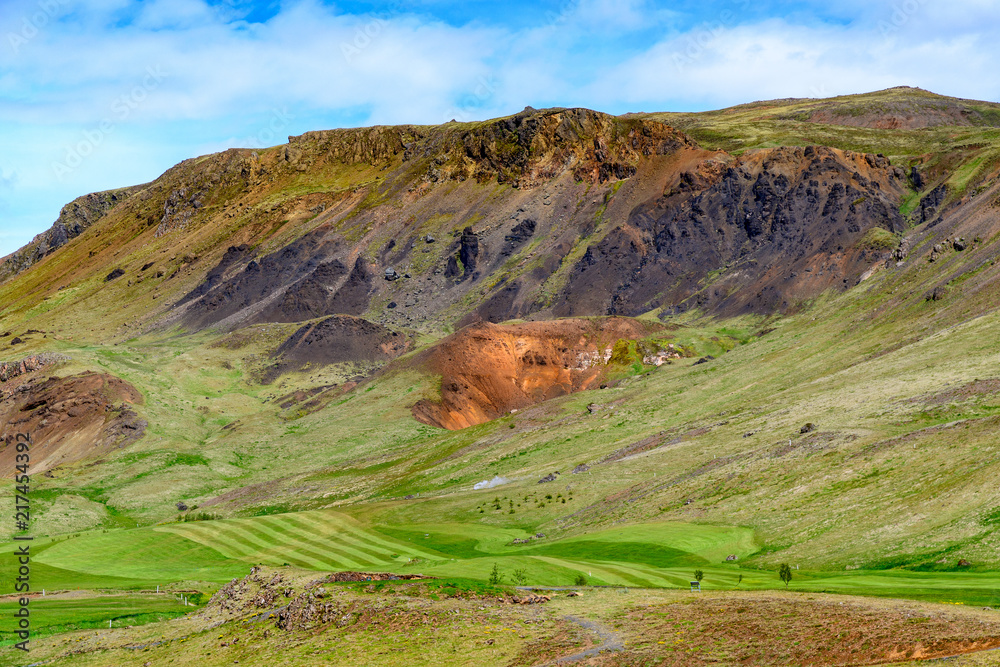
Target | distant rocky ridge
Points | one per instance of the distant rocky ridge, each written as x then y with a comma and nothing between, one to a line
73,220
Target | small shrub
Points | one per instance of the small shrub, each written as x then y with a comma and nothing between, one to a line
580,580
785,573
495,577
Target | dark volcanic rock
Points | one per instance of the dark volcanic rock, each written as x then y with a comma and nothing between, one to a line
451,270
930,203
521,232
343,338
468,253
501,306
301,281
117,273
314,295
234,255
761,223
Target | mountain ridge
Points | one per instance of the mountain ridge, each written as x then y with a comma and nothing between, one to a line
288,315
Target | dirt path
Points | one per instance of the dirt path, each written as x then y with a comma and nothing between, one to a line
610,641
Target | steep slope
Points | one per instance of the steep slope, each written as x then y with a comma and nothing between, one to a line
73,219
553,212
772,227
849,300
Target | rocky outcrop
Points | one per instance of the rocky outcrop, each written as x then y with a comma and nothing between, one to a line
68,418
342,338
931,202
302,281
774,227
466,258
487,370
12,369
73,220
534,146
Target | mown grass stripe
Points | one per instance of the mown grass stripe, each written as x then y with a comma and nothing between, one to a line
323,556
667,578
244,539
377,550
343,541
589,567
627,574
225,536
244,534
366,534
342,530
229,548
310,544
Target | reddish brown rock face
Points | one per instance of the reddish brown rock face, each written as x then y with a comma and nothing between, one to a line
68,418
487,370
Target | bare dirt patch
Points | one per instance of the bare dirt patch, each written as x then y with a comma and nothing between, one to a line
973,389
487,370
802,631
68,418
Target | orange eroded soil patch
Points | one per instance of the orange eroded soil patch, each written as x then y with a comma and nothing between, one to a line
487,370
800,631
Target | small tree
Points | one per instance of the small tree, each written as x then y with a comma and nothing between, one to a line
580,580
699,575
520,577
739,580
785,573
495,577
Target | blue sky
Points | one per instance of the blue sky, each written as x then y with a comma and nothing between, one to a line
96,94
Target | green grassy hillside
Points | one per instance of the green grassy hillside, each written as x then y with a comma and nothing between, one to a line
852,437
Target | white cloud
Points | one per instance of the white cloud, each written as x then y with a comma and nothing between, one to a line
774,59
224,79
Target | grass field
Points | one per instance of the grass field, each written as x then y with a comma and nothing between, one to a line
58,614
463,622
891,493
318,540
651,555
